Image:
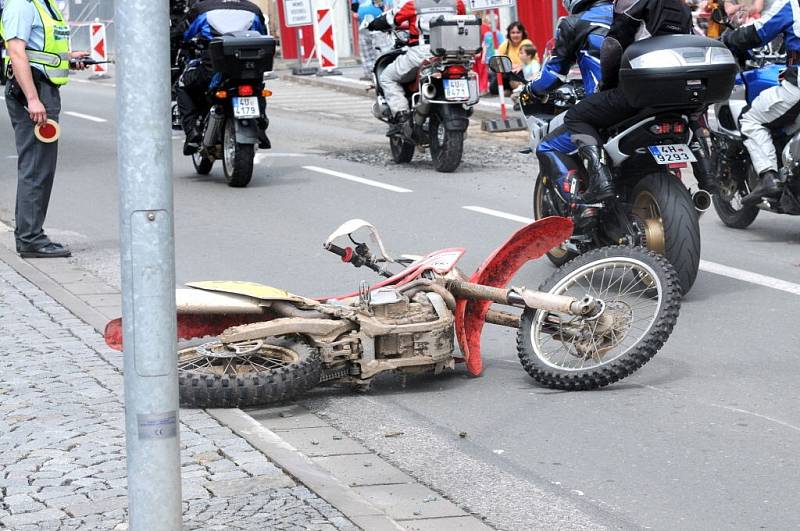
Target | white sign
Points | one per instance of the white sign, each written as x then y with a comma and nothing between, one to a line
483,5
297,13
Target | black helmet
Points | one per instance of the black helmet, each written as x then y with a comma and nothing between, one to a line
576,6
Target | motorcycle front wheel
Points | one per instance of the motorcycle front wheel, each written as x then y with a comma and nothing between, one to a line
728,202
447,145
202,165
641,300
543,207
237,158
246,374
402,149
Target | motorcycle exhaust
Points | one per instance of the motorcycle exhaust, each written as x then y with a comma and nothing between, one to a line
701,200
216,120
429,91
380,110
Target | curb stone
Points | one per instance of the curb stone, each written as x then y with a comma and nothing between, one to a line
76,290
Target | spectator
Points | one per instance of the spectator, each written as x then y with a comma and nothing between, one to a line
370,43
490,40
516,37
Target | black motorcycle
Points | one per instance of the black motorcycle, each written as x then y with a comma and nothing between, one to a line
672,79
236,121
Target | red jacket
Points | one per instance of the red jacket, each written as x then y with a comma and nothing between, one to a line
408,13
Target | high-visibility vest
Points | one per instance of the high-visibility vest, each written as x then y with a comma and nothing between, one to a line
54,58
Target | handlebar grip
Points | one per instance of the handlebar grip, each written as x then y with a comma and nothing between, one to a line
346,254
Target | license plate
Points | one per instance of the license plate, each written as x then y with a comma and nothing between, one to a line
456,89
672,153
245,107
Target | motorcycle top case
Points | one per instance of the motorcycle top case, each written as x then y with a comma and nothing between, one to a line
455,35
677,70
242,54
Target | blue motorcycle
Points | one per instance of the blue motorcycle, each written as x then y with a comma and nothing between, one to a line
734,169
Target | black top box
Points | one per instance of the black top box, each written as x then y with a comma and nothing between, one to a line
242,55
677,70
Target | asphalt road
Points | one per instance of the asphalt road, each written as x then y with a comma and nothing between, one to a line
703,437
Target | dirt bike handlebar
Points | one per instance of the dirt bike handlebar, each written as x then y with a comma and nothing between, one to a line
360,257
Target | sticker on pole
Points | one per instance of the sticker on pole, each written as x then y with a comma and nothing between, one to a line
483,5
297,13
97,30
158,425
323,35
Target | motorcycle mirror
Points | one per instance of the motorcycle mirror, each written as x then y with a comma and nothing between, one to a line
500,64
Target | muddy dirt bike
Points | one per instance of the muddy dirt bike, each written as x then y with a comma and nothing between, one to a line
594,321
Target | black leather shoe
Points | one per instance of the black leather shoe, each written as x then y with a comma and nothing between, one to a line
48,250
768,188
192,143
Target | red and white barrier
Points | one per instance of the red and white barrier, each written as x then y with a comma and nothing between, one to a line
323,35
97,33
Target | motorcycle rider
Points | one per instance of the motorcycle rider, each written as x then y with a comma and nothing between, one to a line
579,37
776,106
195,80
418,14
633,20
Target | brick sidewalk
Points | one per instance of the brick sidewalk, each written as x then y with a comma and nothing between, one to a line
62,438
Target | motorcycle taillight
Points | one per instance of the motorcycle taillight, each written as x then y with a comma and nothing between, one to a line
245,90
454,72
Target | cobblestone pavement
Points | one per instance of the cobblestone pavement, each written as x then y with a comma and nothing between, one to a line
62,438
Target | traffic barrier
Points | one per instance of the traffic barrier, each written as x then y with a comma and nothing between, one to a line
97,34
325,42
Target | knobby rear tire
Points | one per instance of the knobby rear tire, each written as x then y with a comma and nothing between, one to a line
631,359
200,389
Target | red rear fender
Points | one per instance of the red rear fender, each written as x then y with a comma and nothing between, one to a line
528,243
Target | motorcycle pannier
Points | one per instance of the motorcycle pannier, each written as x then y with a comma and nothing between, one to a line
677,70
455,35
242,55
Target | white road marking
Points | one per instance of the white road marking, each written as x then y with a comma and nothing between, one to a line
498,214
85,117
12,157
360,180
748,276
3,98
705,265
4,227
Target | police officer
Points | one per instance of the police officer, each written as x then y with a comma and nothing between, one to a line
193,84
418,14
775,107
633,20
38,61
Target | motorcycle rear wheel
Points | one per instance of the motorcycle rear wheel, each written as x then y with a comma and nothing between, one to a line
671,223
251,373
402,149
728,202
637,286
447,146
237,158
542,208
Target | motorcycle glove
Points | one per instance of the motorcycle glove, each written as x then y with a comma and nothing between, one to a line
379,24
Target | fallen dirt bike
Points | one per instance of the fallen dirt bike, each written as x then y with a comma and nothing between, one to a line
594,321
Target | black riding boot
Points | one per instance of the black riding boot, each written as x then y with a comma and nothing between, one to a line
600,187
768,187
401,124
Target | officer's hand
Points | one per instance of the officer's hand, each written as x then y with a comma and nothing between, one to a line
37,112
78,64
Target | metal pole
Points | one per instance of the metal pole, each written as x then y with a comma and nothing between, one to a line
148,265
555,16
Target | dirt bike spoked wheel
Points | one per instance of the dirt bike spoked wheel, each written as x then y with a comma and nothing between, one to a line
237,158
249,373
663,206
641,298
543,207
402,149
447,146
202,165
728,202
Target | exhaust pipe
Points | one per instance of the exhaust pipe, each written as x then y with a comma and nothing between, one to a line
701,200
216,120
429,91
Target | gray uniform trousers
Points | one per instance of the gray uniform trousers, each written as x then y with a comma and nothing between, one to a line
392,75
36,168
